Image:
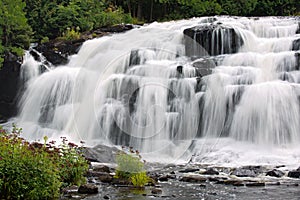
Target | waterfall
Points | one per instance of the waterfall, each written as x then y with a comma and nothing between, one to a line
151,89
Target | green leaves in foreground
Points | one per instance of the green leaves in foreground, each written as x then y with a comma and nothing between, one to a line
37,171
131,168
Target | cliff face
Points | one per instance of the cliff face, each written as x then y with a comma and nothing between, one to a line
9,86
56,52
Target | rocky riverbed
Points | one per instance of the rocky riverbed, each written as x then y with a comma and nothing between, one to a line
187,181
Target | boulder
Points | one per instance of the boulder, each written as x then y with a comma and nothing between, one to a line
298,30
275,173
88,189
101,153
211,40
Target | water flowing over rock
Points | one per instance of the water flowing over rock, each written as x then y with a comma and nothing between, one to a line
212,39
237,105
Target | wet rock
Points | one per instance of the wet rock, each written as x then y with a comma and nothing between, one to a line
204,66
231,182
275,173
163,178
188,170
248,171
88,189
298,30
296,45
193,179
101,168
294,174
105,197
105,178
156,191
255,184
10,85
211,40
243,173
211,171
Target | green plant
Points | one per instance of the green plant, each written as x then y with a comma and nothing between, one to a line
44,40
37,171
71,163
26,172
71,34
131,168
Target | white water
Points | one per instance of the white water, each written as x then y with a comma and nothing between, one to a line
247,111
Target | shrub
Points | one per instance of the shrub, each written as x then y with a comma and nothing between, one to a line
37,171
131,168
71,34
26,172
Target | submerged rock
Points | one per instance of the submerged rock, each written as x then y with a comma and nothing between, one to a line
296,45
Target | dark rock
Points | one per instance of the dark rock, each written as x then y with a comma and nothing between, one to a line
275,173
88,189
298,30
202,186
188,170
248,171
243,173
105,197
105,178
163,178
9,77
294,174
211,40
255,184
193,179
211,171
101,168
204,66
296,45
117,28
156,191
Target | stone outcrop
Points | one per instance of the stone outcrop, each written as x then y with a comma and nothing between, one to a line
211,40
9,87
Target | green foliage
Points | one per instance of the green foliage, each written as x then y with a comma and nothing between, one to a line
37,171
71,34
44,40
131,168
15,33
71,163
26,172
139,179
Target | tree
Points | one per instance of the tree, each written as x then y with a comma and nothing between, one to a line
14,30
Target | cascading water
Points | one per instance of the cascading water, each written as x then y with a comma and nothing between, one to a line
140,89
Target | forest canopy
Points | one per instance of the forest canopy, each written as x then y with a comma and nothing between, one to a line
25,21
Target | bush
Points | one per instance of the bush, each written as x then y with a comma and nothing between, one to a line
71,34
26,172
37,171
131,168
